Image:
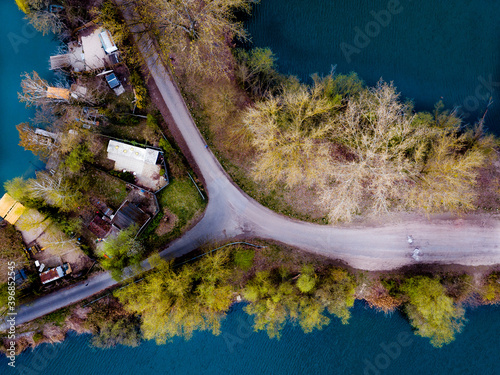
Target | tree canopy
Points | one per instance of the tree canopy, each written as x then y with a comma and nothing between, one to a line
431,311
55,190
35,91
78,157
277,298
38,144
196,29
121,250
40,16
112,325
363,150
178,301
11,249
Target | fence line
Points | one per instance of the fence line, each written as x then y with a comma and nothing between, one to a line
180,264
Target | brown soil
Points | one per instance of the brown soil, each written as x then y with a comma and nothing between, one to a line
76,258
489,187
302,200
167,223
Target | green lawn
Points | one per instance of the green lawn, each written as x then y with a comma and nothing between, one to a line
182,199
108,188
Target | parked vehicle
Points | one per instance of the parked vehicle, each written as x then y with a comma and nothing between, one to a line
28,253
112,81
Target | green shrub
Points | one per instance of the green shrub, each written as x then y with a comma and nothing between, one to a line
80,155
167,147
37,337
141,92
152,121
121,250
307,279
125,176
492,288
431,311
243,258
57,317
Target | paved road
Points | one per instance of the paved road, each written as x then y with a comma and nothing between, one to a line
231,213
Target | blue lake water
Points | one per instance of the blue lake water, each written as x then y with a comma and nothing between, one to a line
356,348
23,50
431,50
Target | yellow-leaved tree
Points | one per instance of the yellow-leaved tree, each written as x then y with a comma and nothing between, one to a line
431,311
179,301
291,133
364,151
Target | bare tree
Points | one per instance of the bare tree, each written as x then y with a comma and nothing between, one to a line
55,190
40,143
196,30
291,132
449,178
367,153
38,13
35,91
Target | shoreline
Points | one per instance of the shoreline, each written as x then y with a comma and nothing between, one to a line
368,291
58,335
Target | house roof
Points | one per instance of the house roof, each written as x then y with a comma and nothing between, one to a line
47,134
101,206
10,209
51,275
15,213
107,41
146,155
6,203
129,214
99,227
57,93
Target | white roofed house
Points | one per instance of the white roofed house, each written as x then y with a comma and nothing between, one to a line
144,163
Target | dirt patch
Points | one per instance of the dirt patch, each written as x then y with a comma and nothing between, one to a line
76,321
57,247
303,199
488,198
167,223
76,258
